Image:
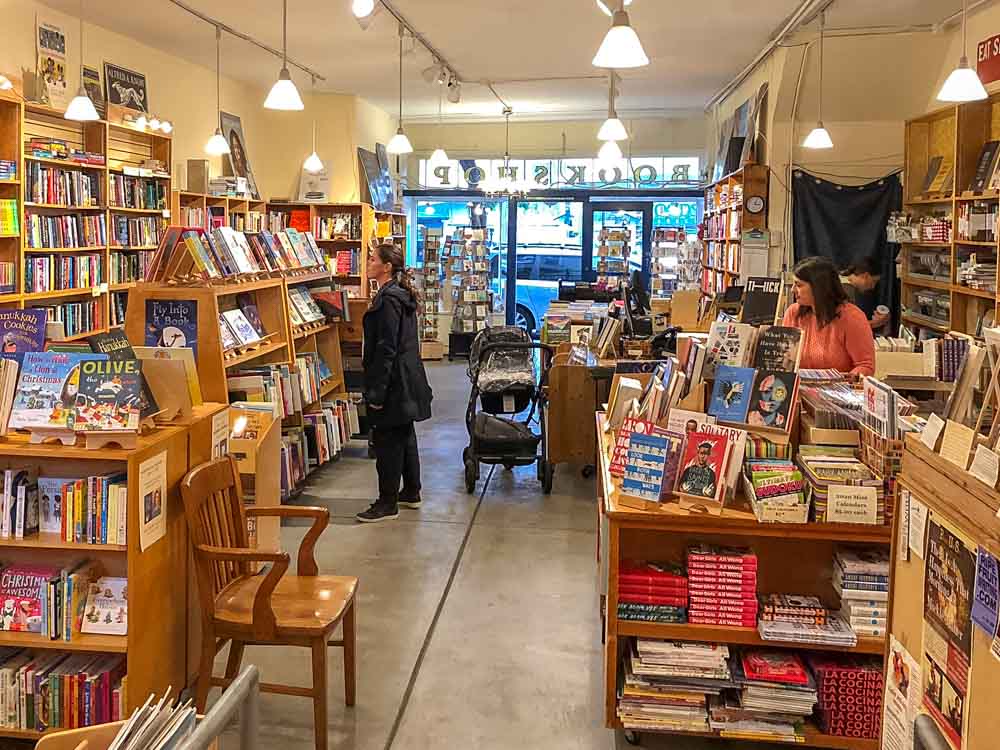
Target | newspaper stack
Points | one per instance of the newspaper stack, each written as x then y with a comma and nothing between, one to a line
861,578
722,586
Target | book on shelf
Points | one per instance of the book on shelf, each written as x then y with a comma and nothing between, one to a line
934,165
109,396
46,393
731,393
728,344
60,231
760,301
172,324
74,318
106,609
703,467
986,165
10,222
778,348
71,188
22,331
21,589
240,327
226,336
128,191
773,397
44,273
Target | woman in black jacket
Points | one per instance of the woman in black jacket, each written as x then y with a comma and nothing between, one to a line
396,388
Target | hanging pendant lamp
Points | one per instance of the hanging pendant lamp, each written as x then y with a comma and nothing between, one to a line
621,47
218,145
819,138
313,163
612,129
284,95
963,85
81,108
400,144
440,156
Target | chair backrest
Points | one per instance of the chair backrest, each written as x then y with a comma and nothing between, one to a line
213,506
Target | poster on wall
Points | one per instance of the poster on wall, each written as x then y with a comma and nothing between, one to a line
52,63
314,187
125,88
92,83
239,160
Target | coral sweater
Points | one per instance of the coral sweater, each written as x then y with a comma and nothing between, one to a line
846,344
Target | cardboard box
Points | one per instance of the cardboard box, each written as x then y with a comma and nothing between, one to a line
197,175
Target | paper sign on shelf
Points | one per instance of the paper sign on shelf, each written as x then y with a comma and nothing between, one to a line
848,504
220,434
153,500
902,698
918,527
932,431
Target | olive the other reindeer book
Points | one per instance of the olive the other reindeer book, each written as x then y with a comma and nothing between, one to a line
109,396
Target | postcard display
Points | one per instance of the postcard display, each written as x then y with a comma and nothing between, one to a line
468,263
430,284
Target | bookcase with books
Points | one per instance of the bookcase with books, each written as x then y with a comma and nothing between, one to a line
734,204
11,171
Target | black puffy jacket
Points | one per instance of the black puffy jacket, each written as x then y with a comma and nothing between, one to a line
394,375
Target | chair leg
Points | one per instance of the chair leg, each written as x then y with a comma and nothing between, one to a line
235,659
319,692
205,669
350,666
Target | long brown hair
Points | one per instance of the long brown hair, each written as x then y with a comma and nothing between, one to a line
393,255
827,291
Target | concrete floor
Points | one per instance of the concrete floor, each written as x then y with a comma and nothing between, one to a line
477,615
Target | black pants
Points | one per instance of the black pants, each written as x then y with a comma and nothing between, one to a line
396,459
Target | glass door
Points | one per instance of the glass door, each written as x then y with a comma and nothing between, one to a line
547,245
619,234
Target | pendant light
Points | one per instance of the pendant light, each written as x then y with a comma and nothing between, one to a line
362,8
81,108
217,144
440,156
606,10
504,185
819,137
621,47
612,129
610,152
313,163
963,85
283,94
400,144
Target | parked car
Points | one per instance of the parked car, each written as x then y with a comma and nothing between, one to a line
539,270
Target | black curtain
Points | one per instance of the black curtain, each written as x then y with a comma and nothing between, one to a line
847,223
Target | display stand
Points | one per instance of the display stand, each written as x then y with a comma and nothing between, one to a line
429,278
612,248
665,259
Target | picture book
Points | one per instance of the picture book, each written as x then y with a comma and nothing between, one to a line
683,421
294,316
241,327
703,465
249,308
109,395
184,355
23,502
22,330
760,301
731,393
675,447
226,334
779,666
106,611
20,597
737,453
172,324
778,348
117,346
50,504
47,390
728,344
774,393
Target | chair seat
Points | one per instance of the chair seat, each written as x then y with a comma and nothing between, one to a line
303,605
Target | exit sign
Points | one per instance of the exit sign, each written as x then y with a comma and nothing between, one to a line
988,60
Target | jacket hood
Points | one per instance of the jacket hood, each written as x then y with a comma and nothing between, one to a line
394,290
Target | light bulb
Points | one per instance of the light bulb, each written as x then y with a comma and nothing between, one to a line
81,108
154,124
612,130
5,84
610,152
362,8
284,95
818,138
217,144
166,126
606,10
963,85
313,163
621,47
140,122
399,144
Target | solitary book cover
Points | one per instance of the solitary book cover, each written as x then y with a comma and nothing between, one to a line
20,598
22,330
731,393
703,465
109,395
778,349
773,395
760,300
47,390
172,324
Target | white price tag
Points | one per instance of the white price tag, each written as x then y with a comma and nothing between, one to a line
166,213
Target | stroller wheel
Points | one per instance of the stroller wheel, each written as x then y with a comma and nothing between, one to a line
471,471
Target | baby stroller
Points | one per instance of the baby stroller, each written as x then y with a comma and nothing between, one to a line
506,380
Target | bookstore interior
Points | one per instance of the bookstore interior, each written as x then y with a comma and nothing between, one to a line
713,454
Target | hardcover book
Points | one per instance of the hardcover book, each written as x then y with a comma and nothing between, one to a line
783,667
50,492
106,611
47,390
172,324
778,348
773,396
728,344
117,346
226,334
20,596
683,421
241,327
760,301
731,393
22,330
985,166
249,308
703,466
109,396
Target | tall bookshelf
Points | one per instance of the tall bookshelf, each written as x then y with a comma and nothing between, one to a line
734,204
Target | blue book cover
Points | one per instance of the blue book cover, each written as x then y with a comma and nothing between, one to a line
172,324
47,390
22,330
731,393
645,466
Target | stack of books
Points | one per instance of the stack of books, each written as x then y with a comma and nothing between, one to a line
9,221
833,632
849,689
667,682
826,466
861,578
760,447
774,683
775,489
654,592
8,169
722,586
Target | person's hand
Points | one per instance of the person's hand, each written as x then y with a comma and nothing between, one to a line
879,320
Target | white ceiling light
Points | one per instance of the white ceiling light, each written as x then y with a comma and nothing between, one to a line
362,8
440,156
284,95
819,138
154,123
610,152
313,163
400,144
621,47
217,144
81,108
606,10
963,85
506,185
612,129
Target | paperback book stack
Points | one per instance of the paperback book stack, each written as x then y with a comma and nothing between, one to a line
653,592
667,682
861,578
828,466
776,683
775,489
722,586
833,631
849,688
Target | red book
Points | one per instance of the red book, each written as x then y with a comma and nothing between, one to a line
652,572
713,601
717,575
672,601
20,602
735,622
783,667
652,589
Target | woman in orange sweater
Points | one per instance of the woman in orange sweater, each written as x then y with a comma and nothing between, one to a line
835,333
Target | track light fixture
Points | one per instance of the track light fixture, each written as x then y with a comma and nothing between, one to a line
606,10
621,47
454,91
436,73
284,95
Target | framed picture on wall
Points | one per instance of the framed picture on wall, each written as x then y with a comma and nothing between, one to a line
125,88
239,160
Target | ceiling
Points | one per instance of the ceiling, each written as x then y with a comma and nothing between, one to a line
696,46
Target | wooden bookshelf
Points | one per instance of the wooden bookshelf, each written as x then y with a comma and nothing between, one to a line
726,218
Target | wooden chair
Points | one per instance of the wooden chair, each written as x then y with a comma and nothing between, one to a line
269,608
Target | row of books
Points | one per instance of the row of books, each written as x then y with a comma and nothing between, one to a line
240,327
10,221
8,169
56,148
339,226
116,310
136,231
42,690
67,230
87,510
302,308
8,278
77,317
43,273
137,192
251,221
126,268
72,188
346,262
